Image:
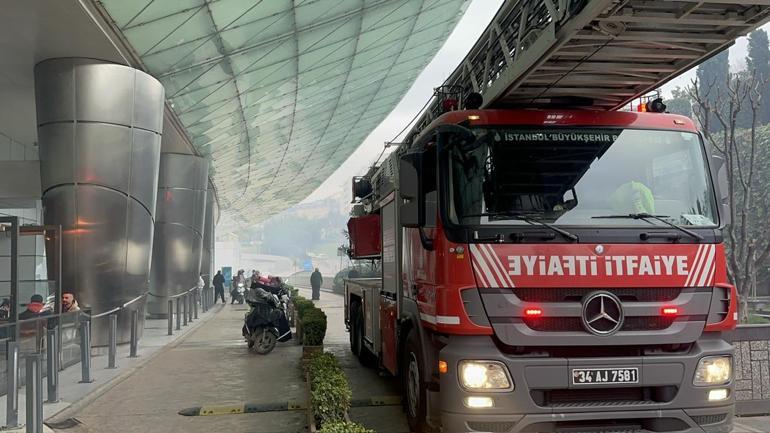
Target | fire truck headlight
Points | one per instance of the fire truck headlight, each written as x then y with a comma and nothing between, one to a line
484,375
713,370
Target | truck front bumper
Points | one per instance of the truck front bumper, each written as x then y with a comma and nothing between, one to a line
544,399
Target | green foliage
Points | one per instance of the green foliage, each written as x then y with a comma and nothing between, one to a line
757,320
344,427
313,321
758,62
680,102
712,76
313,326
301,305
329,391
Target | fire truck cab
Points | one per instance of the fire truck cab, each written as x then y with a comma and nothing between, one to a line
547,270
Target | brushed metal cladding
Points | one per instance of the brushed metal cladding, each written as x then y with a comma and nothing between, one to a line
207,257
179,228
99,131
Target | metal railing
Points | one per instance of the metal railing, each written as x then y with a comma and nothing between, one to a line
31,342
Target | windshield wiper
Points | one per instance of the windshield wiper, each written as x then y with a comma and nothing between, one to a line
646,217
529,219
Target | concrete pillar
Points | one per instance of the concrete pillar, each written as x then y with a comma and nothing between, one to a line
181,213
99,131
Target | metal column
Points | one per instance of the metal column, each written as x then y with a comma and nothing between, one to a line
170,317
85,352
12,384
52,364
34,394
113,342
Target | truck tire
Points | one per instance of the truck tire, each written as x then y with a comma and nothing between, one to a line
355,336
415,391
359,349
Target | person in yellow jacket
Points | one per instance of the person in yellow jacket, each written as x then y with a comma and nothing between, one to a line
632,197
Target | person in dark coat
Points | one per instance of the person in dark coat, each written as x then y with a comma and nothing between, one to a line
315,283
219,286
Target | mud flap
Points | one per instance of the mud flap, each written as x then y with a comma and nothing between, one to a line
433,417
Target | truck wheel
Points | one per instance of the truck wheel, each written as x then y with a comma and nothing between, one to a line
415,393
355,332
365,357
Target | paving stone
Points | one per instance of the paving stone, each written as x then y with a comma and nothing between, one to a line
737,359
759,355
759,345
743,385
765,378
756,382
746,358
743,395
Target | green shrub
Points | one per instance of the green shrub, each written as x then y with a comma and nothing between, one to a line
329,391
344,427
313,326
301,304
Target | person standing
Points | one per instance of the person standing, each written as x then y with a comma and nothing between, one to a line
315,283
69,303
219,286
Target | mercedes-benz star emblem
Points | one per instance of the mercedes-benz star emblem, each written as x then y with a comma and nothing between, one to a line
602,313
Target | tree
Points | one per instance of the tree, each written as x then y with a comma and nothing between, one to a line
758,60
746,157
711,78
680,102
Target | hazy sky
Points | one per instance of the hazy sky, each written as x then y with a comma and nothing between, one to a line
469,28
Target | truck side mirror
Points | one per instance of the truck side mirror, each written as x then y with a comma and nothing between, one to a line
723,191
412,208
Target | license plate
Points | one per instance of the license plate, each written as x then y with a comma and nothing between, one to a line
587,376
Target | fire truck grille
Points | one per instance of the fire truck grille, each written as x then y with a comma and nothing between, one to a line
574,324
601,397
626,294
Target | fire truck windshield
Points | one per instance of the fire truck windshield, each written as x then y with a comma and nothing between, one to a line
572,176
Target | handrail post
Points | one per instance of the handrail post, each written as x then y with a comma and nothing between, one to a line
204,299
170,317
190,297
196,296
34,393
184,304
134,333
52,365
85,351
178,313
113,343
12,384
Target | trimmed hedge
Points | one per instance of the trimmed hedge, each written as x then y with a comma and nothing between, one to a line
344,427
329,391
314,327
330,396
313,320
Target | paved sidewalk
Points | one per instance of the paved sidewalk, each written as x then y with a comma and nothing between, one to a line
210,366
365,382
72,392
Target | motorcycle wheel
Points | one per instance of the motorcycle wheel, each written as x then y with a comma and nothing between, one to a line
264,341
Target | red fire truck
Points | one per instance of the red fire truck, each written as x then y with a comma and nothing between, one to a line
549,263
548,270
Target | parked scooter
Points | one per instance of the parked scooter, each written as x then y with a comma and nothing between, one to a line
265,323
239,293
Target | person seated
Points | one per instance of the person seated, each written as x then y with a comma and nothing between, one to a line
632,197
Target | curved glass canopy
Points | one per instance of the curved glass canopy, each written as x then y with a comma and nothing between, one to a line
278,93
